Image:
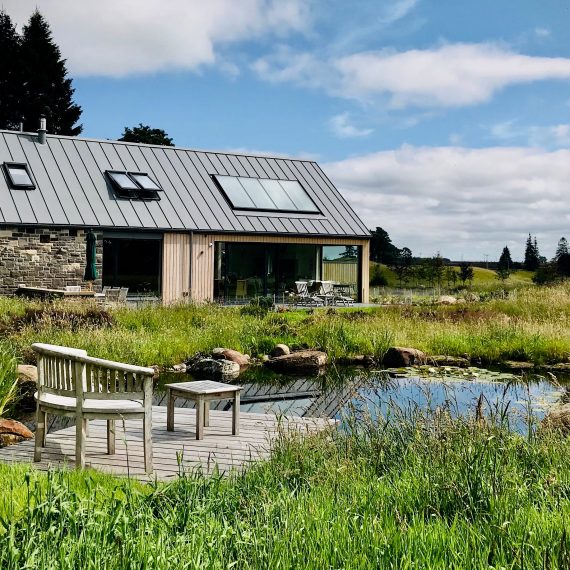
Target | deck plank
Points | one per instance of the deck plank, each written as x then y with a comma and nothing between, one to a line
218,450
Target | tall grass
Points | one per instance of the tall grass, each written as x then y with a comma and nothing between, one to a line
421,490
531,324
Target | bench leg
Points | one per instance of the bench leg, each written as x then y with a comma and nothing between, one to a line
170,412
206,413
147,428
235,415
110,437
40,434
200,418
44,433
80,441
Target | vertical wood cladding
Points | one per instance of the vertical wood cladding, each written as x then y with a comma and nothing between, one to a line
175,267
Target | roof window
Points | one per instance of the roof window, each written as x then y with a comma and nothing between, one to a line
265,194
134,185
19,176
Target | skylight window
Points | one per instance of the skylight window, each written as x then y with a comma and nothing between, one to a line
134,185
19,176
264,194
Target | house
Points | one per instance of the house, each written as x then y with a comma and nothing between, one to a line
171,222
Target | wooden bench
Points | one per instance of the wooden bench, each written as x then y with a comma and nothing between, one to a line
73,384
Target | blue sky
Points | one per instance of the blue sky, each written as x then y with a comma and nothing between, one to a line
445,122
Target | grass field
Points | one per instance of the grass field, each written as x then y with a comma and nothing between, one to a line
531,324
420,491
482,278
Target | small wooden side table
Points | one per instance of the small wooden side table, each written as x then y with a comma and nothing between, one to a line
203,392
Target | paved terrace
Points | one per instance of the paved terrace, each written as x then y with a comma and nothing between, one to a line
173,452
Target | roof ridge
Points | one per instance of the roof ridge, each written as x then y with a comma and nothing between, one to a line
174,147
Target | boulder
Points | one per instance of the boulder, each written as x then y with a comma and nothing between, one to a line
443,360
12,431
563,366
215,368
26,386
447,300
358,360
231,355
514,365
398,356
178,368
280,350
558,419
300,362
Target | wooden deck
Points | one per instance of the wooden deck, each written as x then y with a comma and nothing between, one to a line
174,452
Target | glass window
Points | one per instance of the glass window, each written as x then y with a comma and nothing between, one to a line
263,194
235,192
19,176
257,193
277,194
341,266
122,180
298,196
144,181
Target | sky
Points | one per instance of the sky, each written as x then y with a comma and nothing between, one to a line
446,122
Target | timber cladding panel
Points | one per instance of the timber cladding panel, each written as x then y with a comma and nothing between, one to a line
175,267
202,257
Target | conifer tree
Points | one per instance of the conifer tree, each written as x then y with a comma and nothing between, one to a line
531,254
505,265
562,248
10,76
47,89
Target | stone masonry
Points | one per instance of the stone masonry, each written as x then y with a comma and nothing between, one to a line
45,257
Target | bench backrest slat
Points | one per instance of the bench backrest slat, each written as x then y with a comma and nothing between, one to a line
71,372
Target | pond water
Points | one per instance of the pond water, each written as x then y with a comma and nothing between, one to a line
341,391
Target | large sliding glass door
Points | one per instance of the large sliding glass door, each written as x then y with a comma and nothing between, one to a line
246,270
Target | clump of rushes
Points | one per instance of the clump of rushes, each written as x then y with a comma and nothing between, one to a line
418,489
8,378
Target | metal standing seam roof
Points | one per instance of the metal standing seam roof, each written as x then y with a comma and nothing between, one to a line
72,190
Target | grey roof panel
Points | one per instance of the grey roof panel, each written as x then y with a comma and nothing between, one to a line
63,176
35,199
73,190
11,201
79,157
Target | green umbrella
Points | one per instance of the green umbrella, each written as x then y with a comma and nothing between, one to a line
91,251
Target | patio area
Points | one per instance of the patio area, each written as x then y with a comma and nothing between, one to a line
174,452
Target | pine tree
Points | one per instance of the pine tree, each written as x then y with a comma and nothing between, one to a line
531,254
10,76
505,261
382,249
47,89
562,248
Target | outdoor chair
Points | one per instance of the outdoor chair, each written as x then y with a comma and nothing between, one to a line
241,288
343,294
326,292
123,292
73,384
304,297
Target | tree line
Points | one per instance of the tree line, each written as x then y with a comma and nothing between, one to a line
434,271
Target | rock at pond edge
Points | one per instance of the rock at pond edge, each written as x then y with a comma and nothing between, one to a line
398,356
231,355
301,361
12,431
280,350
215,368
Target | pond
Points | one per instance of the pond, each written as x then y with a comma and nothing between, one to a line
340,392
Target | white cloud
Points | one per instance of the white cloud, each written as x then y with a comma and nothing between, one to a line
449,75
396,11
542,32
118,38
343,128
460,201
533,135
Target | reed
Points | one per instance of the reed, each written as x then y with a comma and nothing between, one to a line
414,489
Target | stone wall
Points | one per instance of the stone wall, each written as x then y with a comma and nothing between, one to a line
45,257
